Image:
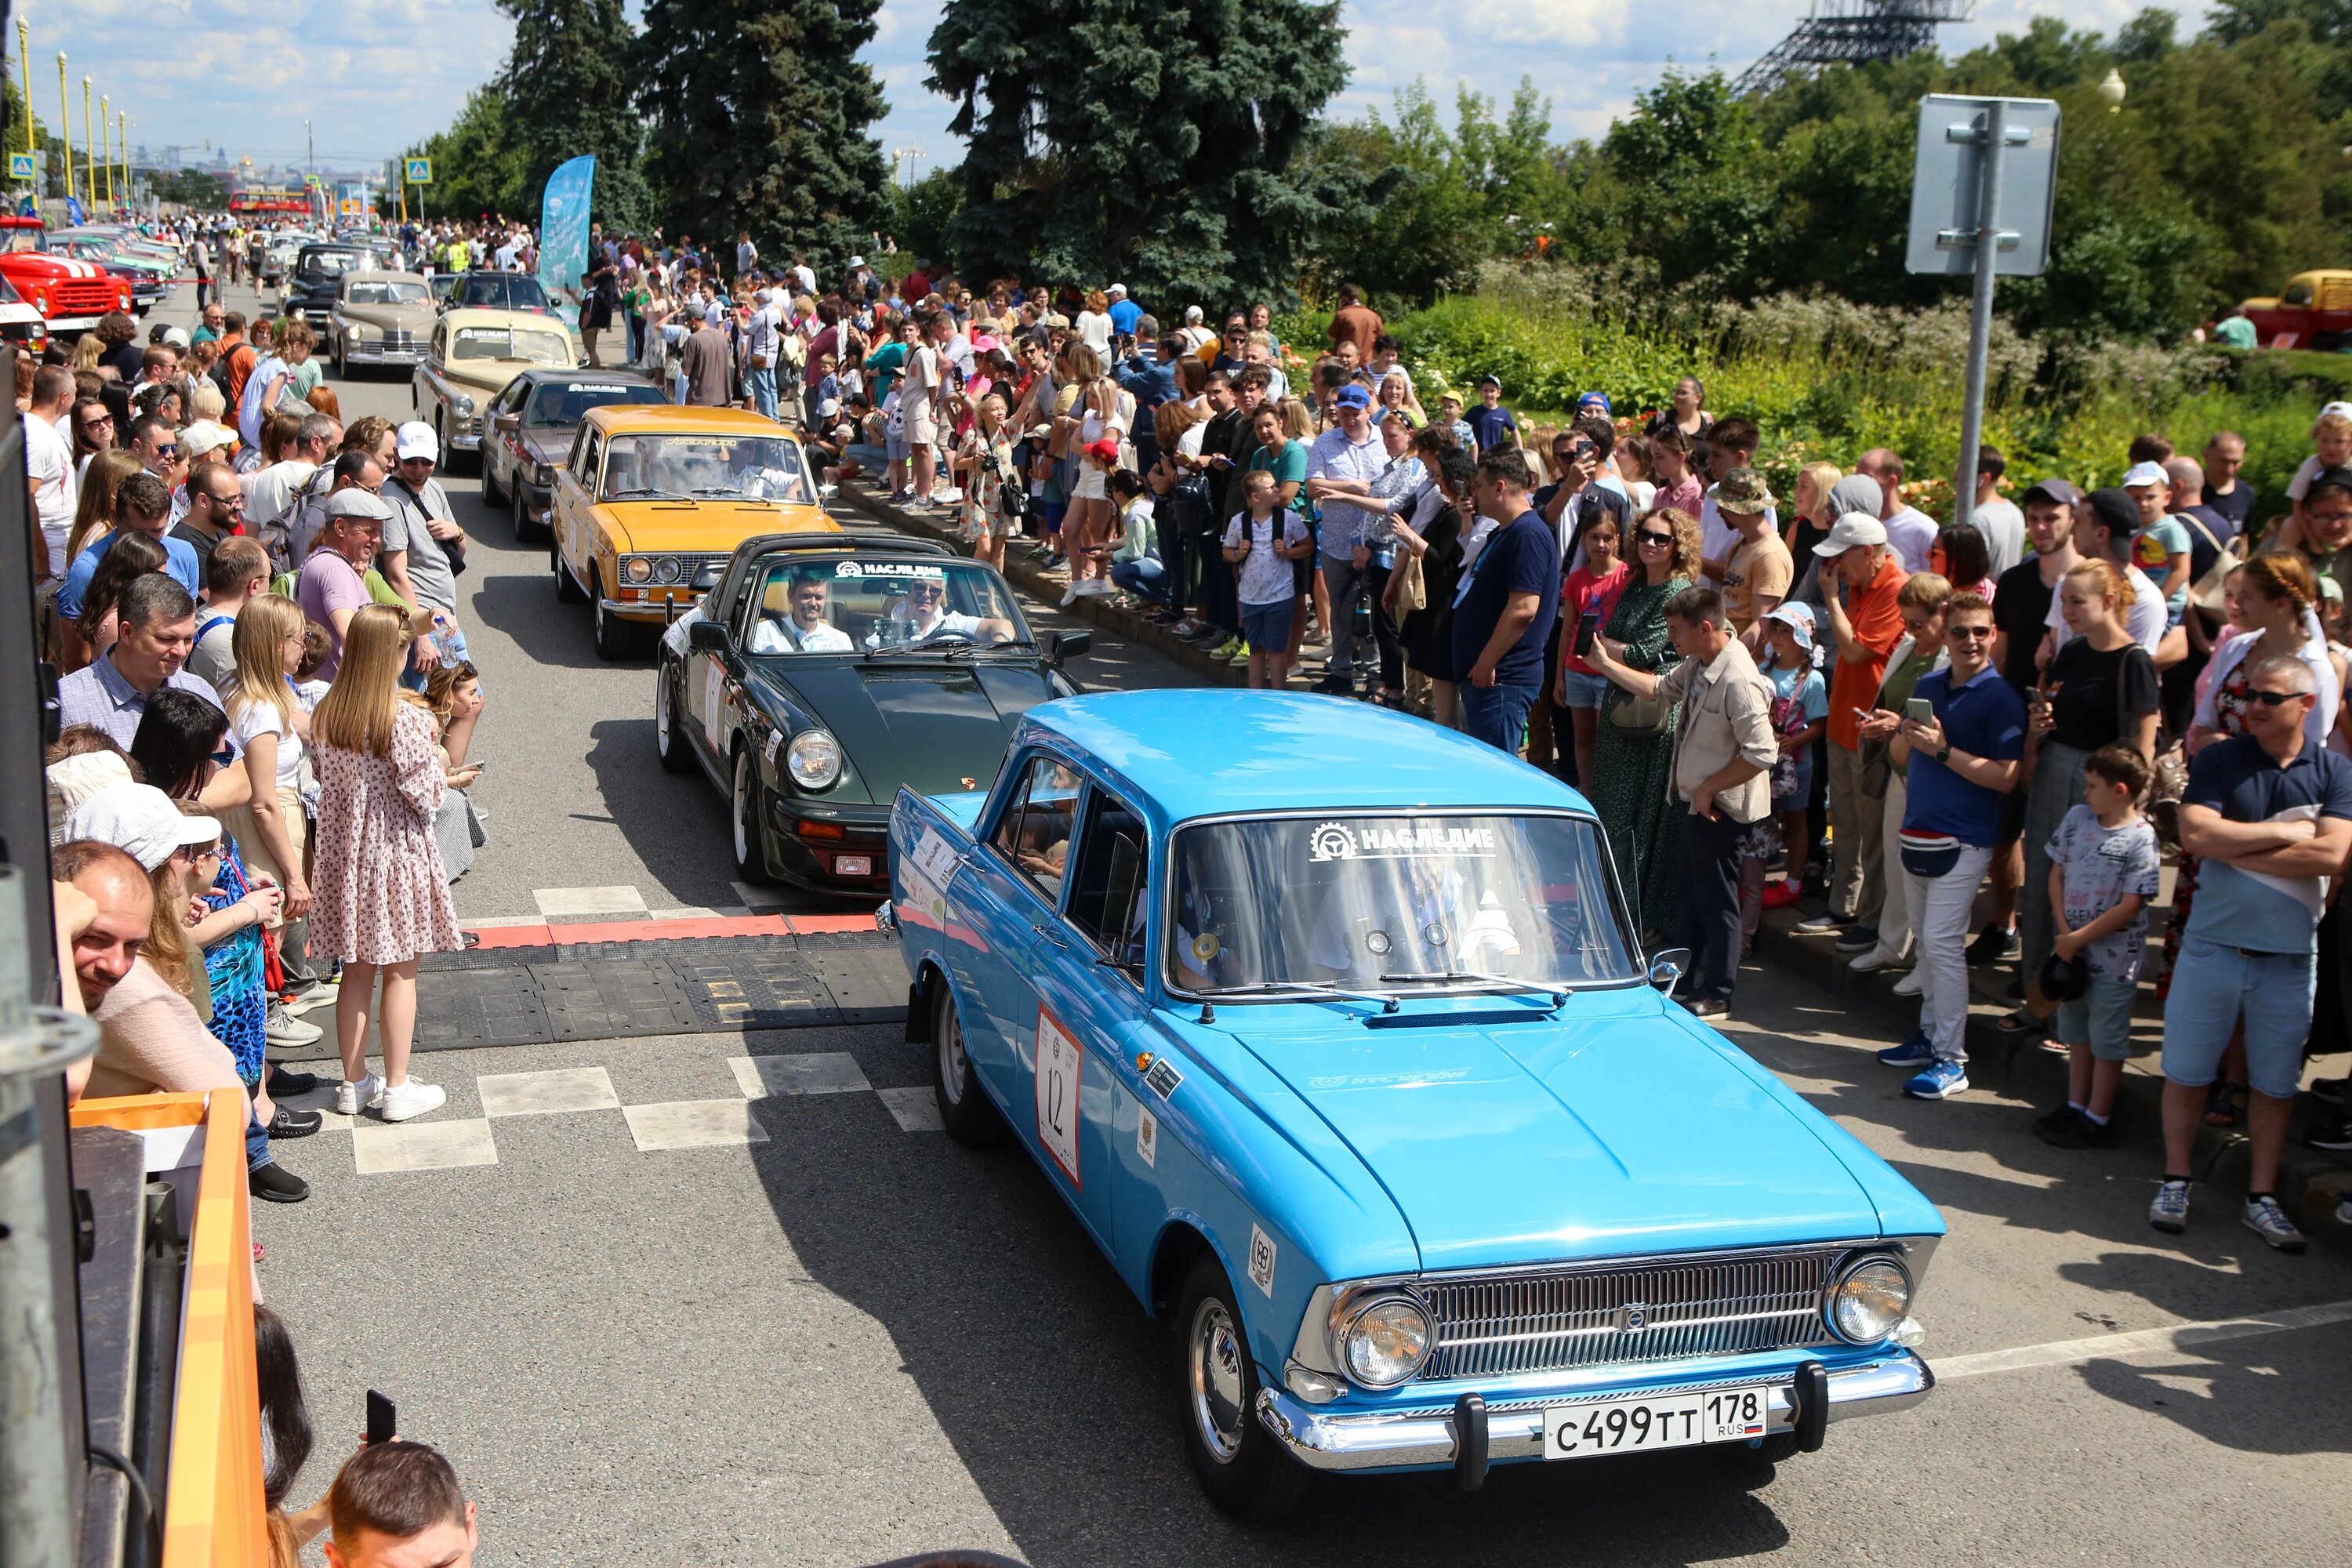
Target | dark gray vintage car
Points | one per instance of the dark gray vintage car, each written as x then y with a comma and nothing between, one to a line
529,428
380,318
827,669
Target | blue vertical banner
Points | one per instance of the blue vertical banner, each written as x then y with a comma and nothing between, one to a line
563,230
75,218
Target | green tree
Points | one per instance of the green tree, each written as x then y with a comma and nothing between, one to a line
192,187
569,92
760,116
1160,147
923,215
477,167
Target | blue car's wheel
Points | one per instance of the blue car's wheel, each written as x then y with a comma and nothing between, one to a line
1241,1464
970,1116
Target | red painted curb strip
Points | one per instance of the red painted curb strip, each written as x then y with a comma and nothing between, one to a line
667,931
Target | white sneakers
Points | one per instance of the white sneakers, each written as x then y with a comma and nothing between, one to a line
403,1100
352,1094
393,1103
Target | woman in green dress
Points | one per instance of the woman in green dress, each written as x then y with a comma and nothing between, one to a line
1631,765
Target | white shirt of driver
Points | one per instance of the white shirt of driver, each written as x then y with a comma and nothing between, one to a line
2145,619
770,636
950,622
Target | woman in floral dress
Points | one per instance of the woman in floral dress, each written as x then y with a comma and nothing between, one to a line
1631,767
381,897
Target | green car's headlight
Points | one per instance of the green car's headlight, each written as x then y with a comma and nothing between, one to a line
813,759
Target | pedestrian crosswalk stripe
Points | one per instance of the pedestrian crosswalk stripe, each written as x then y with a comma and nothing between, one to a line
915,1109
619,899
816,1072
423,1146
546,1093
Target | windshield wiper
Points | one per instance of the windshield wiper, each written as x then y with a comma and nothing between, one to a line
980,647
1559,994
1305,988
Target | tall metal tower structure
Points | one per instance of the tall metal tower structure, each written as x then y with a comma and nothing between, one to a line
1849,32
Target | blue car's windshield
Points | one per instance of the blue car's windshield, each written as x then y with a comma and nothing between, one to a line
1392,903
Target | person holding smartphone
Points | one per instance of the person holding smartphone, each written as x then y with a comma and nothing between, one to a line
1962,760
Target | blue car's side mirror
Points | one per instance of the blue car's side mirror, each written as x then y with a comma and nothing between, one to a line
1669,966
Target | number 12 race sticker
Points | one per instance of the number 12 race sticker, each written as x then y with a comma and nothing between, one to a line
1060,1065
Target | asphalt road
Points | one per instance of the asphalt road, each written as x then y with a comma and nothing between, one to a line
844,1341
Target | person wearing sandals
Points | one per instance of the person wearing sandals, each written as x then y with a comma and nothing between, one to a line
2099,688
2270,815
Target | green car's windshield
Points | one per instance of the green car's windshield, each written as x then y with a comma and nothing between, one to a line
1392,903
878,606
706,468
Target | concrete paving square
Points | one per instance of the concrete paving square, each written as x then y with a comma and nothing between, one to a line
422,1146
611,900
817,1072
694,1124
915,1109
545,1093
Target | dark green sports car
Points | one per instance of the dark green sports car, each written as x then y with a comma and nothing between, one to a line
827,669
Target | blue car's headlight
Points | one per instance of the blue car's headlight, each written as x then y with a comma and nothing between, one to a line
1385,1342
1870,1299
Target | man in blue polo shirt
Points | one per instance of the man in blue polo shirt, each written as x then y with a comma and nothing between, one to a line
1959,767
1504,607
143,505
2269,818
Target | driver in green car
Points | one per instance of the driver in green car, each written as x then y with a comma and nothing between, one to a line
806,629
923,616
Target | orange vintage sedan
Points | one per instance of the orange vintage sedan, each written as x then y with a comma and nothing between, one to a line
653,500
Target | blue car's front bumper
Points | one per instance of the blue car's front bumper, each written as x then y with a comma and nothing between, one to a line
1326,1439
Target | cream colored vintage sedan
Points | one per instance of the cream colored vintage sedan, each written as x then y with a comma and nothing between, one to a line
472,356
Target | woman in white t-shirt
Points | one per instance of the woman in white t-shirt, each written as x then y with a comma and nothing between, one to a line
1094,325
271,727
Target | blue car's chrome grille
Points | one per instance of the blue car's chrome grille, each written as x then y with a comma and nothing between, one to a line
1659,1310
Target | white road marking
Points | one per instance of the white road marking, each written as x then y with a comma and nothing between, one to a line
621,900
915,1109
422,1146
693,1124
758,901
546,1093
2171,1341
816,1072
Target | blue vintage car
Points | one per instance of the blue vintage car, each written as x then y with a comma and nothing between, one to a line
1331,1027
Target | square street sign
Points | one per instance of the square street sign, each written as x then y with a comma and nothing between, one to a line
1944,176
420,171
20,166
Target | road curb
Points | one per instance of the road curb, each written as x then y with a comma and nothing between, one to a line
1025,574
2311,1180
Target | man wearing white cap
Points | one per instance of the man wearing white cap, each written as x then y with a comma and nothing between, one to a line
331,586
1124,313
1863,578
420,537
120,843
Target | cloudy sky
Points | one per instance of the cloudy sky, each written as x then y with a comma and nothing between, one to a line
371,75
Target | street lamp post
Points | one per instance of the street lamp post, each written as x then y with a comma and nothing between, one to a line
25,64
122,144
64,122
106,137
88,149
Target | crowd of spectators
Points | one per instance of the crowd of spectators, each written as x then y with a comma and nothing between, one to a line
266,707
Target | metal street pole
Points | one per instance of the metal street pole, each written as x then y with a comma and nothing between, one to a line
88,149
64,122
25,64
106,140
1995,141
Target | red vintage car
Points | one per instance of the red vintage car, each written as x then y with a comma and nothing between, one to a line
70,295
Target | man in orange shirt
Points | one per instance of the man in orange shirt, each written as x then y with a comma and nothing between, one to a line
237,359
1866,624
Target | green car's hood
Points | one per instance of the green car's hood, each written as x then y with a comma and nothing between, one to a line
935,727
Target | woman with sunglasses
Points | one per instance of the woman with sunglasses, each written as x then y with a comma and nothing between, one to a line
1635,748
93,432
183,743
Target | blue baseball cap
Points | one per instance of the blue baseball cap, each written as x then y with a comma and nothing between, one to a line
1352,397
1600,397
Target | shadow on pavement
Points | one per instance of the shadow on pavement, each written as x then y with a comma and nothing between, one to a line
1054,1386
